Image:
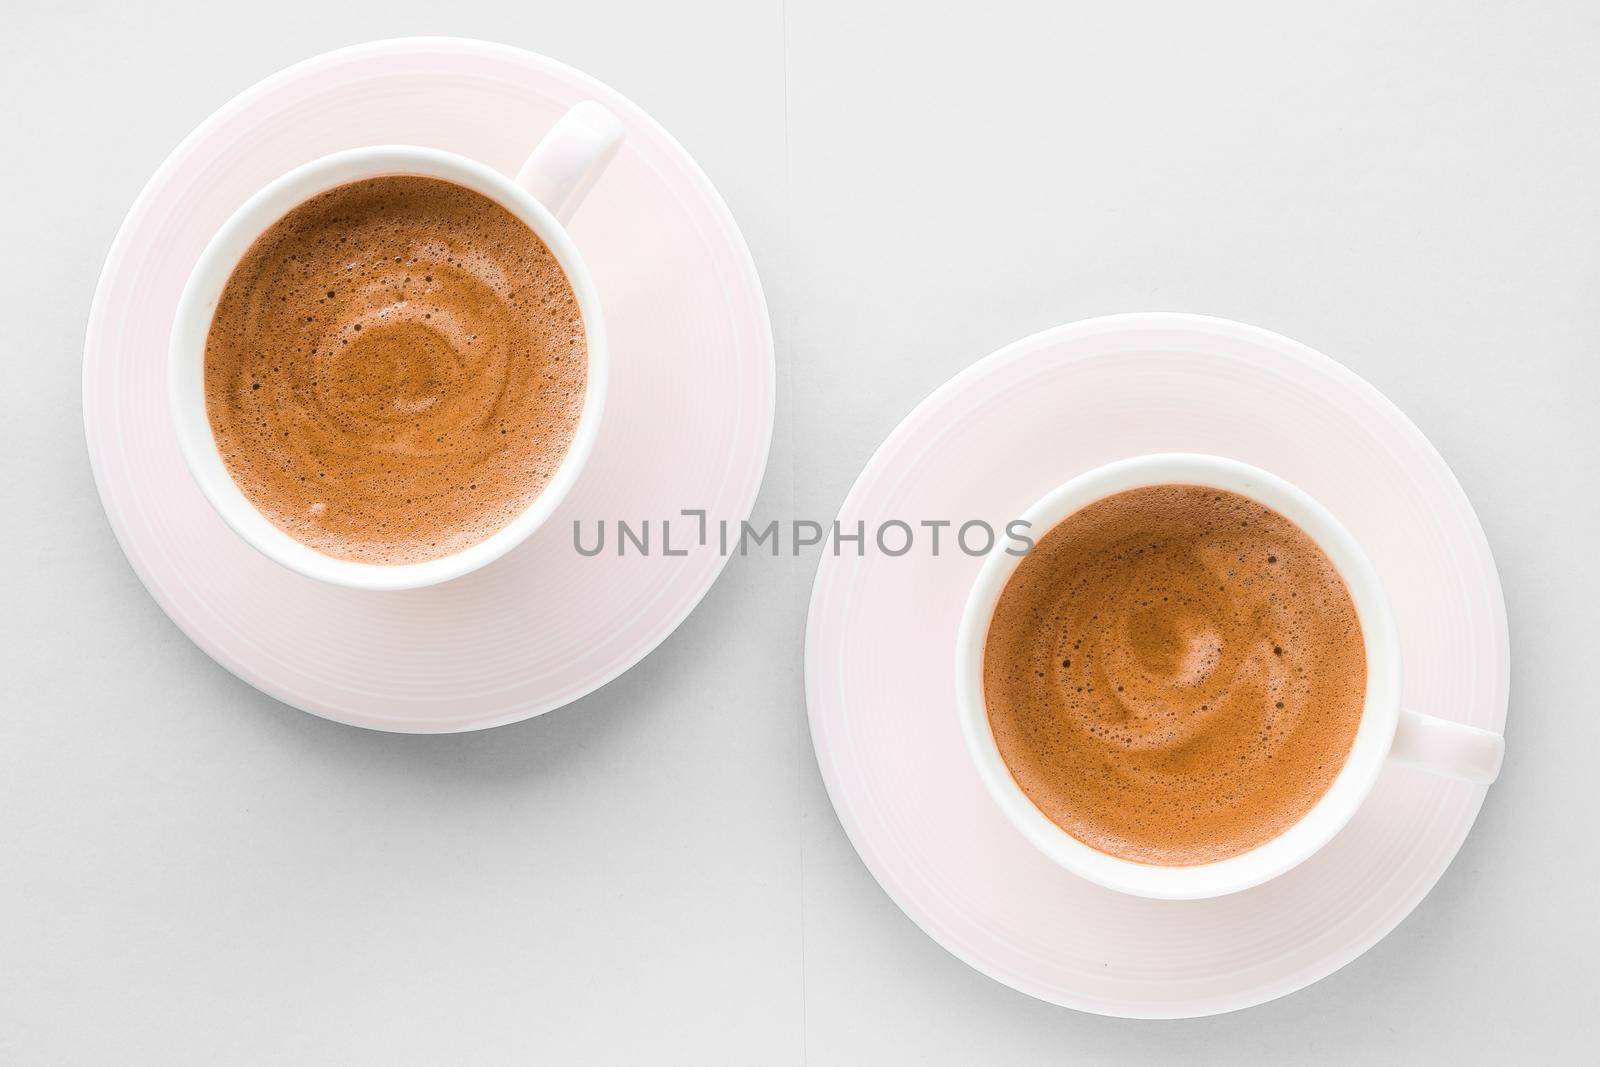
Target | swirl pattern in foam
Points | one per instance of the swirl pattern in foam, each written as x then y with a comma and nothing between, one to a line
1175,674
395,370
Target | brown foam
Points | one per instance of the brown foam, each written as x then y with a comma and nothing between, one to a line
395,370
1175,674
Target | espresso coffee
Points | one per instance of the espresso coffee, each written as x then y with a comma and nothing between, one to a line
395,370
1175,674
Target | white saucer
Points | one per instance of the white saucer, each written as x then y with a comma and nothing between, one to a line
880,676
688,331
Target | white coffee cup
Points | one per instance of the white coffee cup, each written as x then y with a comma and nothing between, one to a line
544,195
1386,731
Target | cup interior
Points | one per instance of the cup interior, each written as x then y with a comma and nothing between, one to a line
1374,734
198,304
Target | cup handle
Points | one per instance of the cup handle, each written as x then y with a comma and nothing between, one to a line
566,164
1447,748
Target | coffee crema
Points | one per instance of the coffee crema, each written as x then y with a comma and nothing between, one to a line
395,370
1175,674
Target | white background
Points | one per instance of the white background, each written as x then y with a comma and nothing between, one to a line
191,872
